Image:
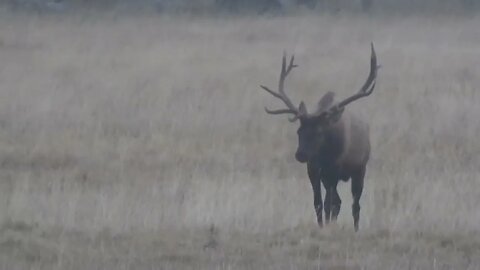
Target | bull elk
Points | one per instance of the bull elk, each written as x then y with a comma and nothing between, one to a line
332,141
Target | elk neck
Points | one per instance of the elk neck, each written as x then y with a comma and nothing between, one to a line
334,144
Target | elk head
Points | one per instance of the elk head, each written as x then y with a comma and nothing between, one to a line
313,126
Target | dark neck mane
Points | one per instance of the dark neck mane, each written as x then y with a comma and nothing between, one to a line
334,143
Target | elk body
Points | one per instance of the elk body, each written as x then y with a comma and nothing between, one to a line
332,141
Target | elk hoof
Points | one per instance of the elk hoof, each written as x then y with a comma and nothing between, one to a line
320,223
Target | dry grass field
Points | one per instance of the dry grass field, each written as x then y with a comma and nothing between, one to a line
140,142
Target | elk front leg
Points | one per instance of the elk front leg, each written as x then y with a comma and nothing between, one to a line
313,174
328,204
357,188
336,204
332,200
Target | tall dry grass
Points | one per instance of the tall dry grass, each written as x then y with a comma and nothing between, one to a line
156,124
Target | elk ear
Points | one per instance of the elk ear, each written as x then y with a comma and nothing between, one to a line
302,109
326,101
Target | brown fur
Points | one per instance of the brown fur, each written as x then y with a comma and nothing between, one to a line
333,142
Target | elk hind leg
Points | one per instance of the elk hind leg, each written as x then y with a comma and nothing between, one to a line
357,188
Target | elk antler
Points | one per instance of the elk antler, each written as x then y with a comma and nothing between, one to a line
368,86
281,91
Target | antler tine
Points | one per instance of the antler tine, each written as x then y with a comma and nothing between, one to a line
281,83
281,89
271,92
283,111
373,73
294,118
280,111
369,84
291,65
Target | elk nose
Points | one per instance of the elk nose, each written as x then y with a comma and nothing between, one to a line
301,157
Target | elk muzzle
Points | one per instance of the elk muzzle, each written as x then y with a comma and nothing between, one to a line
301,156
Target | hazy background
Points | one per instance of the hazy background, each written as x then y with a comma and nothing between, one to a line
133,135
250,6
